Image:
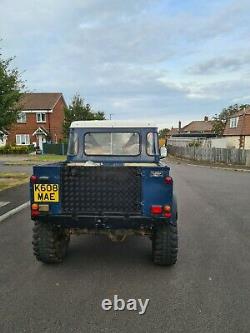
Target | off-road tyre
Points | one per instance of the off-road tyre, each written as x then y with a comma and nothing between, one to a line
165,244
50,243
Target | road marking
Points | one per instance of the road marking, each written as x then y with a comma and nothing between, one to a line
14,211
4,203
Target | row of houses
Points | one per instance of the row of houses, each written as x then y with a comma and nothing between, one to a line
236,133
42,116
40,120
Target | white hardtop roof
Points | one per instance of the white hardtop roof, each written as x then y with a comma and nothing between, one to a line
111,124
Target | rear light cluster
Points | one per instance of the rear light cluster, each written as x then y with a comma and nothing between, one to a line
33,179
168,180
36,209
165,210
156,209
161,210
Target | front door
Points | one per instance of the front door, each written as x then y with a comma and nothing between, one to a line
242,142
40,142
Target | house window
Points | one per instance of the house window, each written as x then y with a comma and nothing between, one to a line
41,117
234,122
22,139
21,117
3,138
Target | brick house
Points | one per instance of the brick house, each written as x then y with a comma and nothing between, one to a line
237,129
173,131
198,130
200,127
40,120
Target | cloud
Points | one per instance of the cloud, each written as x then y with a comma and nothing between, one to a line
130,58
221,64
242,99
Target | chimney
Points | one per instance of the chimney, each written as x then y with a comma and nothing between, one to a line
206,118
179,129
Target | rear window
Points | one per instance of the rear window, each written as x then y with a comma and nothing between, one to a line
112,144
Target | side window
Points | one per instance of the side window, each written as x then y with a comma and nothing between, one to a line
152,144
73,143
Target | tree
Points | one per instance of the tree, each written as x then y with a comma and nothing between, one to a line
163,132
78,110
11,91
219,120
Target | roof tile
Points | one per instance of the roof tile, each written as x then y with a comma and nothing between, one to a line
198,126
39,101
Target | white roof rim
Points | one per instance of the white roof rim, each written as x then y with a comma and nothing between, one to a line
112,124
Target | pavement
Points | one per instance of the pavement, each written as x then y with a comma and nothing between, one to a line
232,167
15,163
16,168
208,290
13,158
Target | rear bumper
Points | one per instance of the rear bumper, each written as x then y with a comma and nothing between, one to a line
102,222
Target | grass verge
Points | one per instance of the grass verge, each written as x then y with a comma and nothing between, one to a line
35,159
9,179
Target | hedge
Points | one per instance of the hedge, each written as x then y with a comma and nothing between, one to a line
8,149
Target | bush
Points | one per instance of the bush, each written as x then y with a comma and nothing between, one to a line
194,143
8,149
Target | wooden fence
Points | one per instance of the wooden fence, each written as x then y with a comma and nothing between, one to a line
212,155
55,148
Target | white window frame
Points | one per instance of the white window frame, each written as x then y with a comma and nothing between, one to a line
234,122
39,117
22,118
20,138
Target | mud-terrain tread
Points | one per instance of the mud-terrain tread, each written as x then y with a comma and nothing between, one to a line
49,244
165,245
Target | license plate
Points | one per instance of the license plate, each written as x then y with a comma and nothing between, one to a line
46,193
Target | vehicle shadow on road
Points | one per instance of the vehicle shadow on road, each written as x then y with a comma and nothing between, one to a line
98,258
99,250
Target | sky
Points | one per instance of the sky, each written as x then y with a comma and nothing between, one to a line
155,60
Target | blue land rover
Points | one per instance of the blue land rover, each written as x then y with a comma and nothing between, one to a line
114,182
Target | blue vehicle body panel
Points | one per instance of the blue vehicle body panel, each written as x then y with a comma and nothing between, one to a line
52,171
154,190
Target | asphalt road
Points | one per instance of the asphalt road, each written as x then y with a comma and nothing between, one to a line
13,197
208,290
